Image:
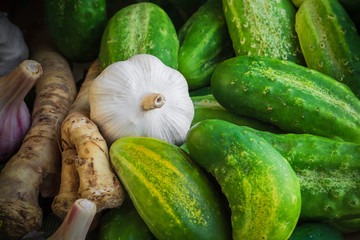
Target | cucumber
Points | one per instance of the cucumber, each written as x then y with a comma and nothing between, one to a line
178,11
136,29
204,43
260,185
123,222
316,231
263,28
329,41
206,107
294,98
76,27
172,195
351,6
328,171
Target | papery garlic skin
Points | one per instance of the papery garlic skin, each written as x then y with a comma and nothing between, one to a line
14,114
15,122
117,94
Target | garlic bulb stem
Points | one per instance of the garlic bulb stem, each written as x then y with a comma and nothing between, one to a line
77,221
152,101
15,85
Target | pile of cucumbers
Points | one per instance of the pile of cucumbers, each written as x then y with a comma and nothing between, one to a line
275,140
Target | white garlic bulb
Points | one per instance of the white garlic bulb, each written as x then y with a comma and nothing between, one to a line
141,97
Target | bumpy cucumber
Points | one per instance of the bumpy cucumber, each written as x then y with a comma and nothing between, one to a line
351,6
329,41
204,42
260,185
139,28
316,231
76,27
294,98
263,28
328,171
206,107
172,195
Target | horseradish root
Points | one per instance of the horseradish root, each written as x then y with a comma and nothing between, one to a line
97,181
37,162
69,184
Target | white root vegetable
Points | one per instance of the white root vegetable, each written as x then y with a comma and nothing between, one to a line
96,179
69,184
37,163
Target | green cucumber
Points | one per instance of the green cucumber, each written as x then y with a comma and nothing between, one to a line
178,11
123,222
263,28
351,6
76,27
137,29
206,107
172,195
262,189
328,171
316,231
294,98
329,41
204,43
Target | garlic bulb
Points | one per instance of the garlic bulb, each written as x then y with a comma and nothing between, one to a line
14,114
141,97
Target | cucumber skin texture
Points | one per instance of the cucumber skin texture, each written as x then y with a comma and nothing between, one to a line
328,171
316,230
171,194
204,43
206,107
123,222
351,6
294,98
263,28
329,41
76,27
141,28
262,189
